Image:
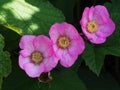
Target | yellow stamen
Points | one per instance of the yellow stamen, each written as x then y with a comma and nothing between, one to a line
92,27
63,42
36,57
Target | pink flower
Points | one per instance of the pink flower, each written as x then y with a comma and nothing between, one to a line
67,43
37,55
96,24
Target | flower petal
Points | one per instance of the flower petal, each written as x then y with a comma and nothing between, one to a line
59,52
101,10
76,47
26,53
66,59
48,52
42,43
93,37
84,18
91,13
50,63
34,70
26,42
23,60
107,29
70,31
55,47
100,14
97,40
56,31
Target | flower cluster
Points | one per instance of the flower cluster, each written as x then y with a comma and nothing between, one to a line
40,54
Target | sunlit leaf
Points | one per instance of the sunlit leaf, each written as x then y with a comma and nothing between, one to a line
29,16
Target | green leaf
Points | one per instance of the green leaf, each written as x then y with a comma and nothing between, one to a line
67,80
104,82
0,82
94,58
67,10
29,16
11,39
5,62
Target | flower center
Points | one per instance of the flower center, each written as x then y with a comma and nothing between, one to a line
63,42
92,26
36,57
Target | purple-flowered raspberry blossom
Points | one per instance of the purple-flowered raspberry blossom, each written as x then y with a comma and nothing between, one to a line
96,24
67,43
37,55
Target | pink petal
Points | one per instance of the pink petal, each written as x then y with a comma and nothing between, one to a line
93,37
26,53
23,60
100,14
26,42
84,19
50,63
48,52
59,52
76,47
56,31
55,47
66,59
97,40
42,43
107,29
70,31
91,13
100,9
34,70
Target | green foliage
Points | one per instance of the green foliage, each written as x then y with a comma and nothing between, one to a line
5,62
94,58
0,82
11,39
29,16
20,17
62,80
104,82
66,7
67,80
